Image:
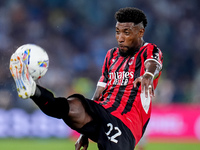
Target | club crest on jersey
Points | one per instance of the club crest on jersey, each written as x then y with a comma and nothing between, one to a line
131,61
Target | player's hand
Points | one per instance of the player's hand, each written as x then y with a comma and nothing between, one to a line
146,82
82,142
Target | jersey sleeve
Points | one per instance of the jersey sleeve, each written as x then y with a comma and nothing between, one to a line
104,73
155,54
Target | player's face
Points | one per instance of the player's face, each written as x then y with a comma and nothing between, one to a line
129,37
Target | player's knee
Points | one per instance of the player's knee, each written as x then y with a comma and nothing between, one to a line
77,111
75,107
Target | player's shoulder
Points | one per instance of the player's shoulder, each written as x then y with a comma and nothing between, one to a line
149,45
152,46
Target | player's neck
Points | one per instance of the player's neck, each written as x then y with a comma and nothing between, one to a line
141,43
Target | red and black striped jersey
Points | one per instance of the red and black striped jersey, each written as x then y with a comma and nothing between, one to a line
120,97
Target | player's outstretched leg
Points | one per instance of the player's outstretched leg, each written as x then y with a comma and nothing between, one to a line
24,82
71,110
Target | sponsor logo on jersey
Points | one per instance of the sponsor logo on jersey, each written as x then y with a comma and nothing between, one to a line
120,78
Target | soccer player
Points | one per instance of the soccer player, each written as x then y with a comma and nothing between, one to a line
117,116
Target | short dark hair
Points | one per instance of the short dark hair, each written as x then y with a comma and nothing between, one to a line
131,14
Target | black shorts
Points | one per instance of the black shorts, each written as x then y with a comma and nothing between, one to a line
107,131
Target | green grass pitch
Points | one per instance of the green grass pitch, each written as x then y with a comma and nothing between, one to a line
66,144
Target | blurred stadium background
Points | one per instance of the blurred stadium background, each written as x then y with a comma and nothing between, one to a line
77,34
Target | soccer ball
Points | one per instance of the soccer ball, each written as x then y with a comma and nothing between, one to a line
36,58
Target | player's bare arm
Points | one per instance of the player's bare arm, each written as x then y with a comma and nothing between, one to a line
98,92
152,70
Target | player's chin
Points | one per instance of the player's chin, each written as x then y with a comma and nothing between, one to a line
123,52
123,49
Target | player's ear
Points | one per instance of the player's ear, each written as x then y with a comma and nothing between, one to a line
141,32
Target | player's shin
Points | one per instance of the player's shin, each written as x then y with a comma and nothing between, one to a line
51,106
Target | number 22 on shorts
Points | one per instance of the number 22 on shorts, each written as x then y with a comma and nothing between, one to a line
113,137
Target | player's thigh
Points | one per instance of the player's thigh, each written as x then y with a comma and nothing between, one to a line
77,113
